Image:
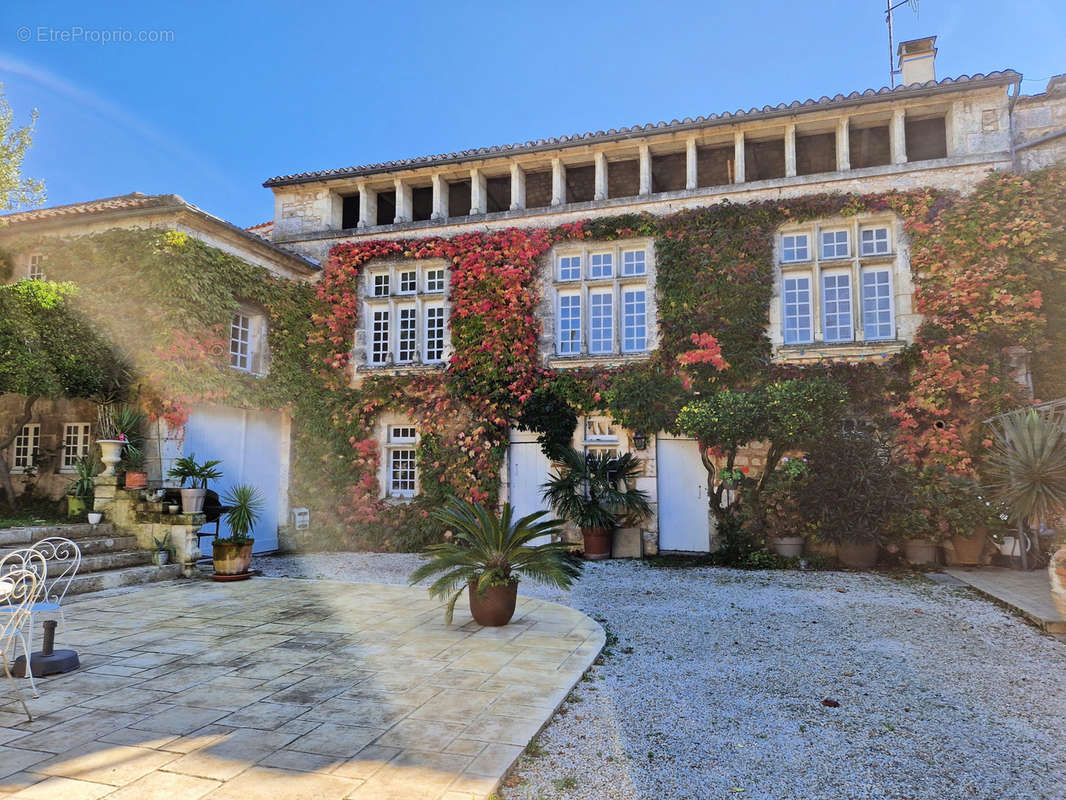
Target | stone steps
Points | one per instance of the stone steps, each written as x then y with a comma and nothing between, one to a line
117,578
20,537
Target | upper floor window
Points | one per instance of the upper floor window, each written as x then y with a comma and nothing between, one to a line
26,448
837,297
247,342
406,326
75,444
35,267
598,311
401,461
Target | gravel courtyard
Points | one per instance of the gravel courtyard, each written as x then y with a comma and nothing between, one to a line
723,683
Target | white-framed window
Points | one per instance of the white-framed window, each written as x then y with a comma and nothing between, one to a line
570,268
610,313
878,317
795,247
402,461
26,448
837,295
569,324
35,267
634,262
405,326
601,265
874,241
835,244
601,437
76,442
247,342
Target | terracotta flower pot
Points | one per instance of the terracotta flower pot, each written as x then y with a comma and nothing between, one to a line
968,552
597,543
859,555
232,559
787,546
1057,573
920,551
495,606
136,480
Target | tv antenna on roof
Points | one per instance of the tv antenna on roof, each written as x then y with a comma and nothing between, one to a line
889,8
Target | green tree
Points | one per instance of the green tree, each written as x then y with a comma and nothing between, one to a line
15,190
49,349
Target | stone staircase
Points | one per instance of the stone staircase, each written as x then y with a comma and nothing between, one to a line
109,558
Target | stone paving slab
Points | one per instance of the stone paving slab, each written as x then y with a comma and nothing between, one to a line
1028,592
286,689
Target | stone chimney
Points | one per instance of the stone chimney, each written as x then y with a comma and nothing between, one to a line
916,60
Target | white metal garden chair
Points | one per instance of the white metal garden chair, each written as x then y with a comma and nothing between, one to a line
64,556
22,582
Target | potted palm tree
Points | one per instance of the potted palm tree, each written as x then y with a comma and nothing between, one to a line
596,493
187,468
233,554
486,555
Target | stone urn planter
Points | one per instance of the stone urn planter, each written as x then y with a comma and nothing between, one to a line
787,546
495,606
920,551
968,552
597,543
232,560
192,500
110,454
859,555
1057,573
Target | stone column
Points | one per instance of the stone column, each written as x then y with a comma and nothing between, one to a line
738,157
403,201
790,151
478,192
440,197
600,192
368,206
518,187
645,170
691,166
843,145
897,136
558,182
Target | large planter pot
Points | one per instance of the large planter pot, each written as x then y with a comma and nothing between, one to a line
75,506
136,480
232,560
920,551
192,500
858,555
597,543
787,546
968,552
110,454
1057,573
495,606
816,547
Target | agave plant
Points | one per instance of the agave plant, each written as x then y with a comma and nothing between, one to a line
493,550
593,491
1027,465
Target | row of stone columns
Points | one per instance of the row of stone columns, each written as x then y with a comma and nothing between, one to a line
478,180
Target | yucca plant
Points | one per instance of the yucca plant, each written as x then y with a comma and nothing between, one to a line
1027,466
493,550
246,508
594,491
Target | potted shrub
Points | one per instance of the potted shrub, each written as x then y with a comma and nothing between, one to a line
128,425
133,462
486,555
80,491
187,468
596,494
233,554
778,506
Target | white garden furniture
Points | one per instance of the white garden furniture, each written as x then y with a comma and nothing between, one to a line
22,582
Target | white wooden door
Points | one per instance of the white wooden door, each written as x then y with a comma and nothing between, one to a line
249,445
529,468
684,520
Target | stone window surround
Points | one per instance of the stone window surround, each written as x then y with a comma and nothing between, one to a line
557,288
895,260
421,299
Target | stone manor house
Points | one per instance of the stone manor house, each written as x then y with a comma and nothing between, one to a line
842,285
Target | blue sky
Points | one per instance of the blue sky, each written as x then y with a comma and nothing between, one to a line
245,91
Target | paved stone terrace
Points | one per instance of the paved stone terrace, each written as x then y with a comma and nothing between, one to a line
282,688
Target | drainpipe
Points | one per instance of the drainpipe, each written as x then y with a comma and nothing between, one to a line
1017,88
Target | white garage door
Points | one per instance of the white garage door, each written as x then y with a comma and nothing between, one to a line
249,446
684,523
528,469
